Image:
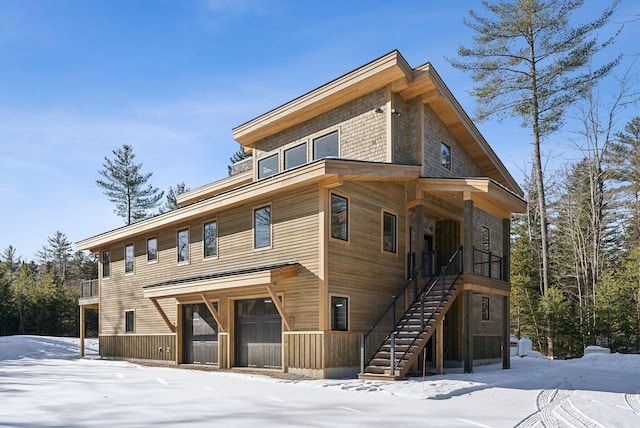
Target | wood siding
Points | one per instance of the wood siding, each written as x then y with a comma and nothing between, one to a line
139,347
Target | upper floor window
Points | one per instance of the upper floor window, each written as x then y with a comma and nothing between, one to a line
486,238
210,238
445,156
262,227
152,249
128,258
389,232
339,313
295,156
106,264
339,217
326,146
183,245
268,166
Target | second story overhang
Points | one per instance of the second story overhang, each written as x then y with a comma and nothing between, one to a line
326,172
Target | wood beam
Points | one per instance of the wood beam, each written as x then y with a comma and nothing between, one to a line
506,342
467,331
285,318
213,311
440,346
82,331
164,316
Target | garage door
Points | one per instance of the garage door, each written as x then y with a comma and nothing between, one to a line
200,335
258,334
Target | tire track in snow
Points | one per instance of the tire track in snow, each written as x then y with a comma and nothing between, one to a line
556,410
633,401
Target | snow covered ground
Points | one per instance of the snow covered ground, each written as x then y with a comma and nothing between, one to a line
43,383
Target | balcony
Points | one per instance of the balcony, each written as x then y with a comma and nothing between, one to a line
489,265
89,293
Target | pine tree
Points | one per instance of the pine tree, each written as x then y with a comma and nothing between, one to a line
172,194
57,252
125,186
530,63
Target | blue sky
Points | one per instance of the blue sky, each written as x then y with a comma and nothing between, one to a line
79,78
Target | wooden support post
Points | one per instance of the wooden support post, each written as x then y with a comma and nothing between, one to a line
468,236
440,346
467,340
506,340
213,311
163,315
506,250
82,329
285,318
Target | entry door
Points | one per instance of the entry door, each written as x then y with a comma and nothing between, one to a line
200,335
258,334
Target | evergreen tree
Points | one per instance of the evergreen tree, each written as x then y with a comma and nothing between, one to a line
58,252
125,186
172,203
529,62
237,157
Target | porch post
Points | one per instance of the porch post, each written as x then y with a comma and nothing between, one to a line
81,331
440,346
506,322
468,235
467,307
506,250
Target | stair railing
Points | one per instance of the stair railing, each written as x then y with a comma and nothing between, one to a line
379,331
453,270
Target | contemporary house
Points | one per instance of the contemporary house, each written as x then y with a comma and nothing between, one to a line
367,233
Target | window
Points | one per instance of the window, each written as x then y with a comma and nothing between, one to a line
485,308
152,250
106,264
339,217
183,246
389,232
445,156
210,238
129,321
262,227
295,156
268,166
339,313
128,258
486,238
325,146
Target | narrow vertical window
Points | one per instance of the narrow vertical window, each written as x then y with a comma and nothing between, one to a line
210,239
339,313
268,166
389,232
339,217
128,258
485,308
183,246
152,249
486,238
326,146
445,156
130,321
262,227
106,264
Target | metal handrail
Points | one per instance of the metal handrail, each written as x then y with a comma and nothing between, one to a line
486,264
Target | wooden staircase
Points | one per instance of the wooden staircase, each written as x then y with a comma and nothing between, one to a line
412,332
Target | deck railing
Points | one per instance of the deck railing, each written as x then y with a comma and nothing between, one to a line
485,263
89,288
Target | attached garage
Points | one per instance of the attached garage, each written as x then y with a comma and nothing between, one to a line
200,335
258,334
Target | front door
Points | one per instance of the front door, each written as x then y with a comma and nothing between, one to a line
200,335
258,334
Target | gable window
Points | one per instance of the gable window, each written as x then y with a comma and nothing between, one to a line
152,250
183,246
486,238
129,321
106,264
128,258
485,308
268,166
389,232
339,313
295,156
210,238
445,156
326,146
339,217
262,227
